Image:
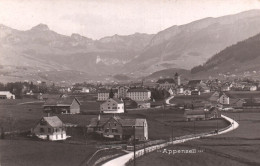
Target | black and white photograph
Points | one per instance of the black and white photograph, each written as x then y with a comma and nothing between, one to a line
129,82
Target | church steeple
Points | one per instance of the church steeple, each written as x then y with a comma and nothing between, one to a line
177,79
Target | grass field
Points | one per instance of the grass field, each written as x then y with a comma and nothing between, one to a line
25,116
41,153
239,147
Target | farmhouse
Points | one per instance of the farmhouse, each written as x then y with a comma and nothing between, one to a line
62,105
119,129
200,114
6,95
224,99
50,128
112,106
214,97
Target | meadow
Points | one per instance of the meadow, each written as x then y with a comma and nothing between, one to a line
240,147
24,114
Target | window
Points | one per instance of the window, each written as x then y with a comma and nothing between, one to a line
115,124
41,130
49,130
114,131
108,107
107,130
109,124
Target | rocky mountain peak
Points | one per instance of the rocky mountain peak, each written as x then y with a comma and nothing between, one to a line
41,27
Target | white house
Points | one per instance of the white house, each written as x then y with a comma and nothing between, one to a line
113,106
6,95
224,99
50,128
139,94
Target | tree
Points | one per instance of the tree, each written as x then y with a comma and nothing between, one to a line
111,94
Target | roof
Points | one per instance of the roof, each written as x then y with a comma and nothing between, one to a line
116,100
195,112
107,90
166,80
53,121
194,82
5,92
124,122
61,101
138,90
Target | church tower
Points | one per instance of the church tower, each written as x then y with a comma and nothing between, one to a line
177,79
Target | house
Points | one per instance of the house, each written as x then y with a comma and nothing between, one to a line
119,129
139,94
224,99
180,90
187,92
171,92
196,83
225,88
122,91
103,94
81,90
167,83
50,128
6,95
213,113
143,104
195,93
200,114
62,106
113,106
214,98
237,103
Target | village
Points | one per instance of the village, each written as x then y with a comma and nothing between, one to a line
129,116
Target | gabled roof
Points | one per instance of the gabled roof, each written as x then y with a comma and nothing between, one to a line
5,92
53,121
116,100
138,90
123,122
61,101
166,80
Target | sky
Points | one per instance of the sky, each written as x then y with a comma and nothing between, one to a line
99,18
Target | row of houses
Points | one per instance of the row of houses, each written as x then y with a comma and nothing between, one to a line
52,128
136,94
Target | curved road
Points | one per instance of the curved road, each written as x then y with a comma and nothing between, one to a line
122,160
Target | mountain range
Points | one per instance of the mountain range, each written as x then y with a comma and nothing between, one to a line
40,52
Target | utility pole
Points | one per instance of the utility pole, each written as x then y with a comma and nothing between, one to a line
172,133
194,126
134,147
144,137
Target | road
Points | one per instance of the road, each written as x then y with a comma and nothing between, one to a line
122,160
167,101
